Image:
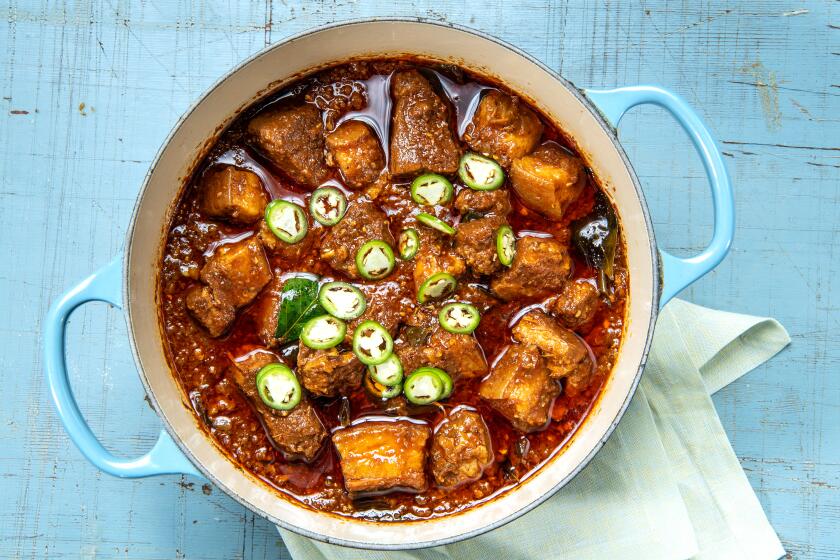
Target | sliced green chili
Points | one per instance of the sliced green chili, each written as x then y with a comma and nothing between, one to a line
437,286
324,331
435,223
409,243
446,379
375,260
459,318
372,343
505,245
480,173
286,220
278,387
423,386
342,300
389,372
381,391
328,205
431,189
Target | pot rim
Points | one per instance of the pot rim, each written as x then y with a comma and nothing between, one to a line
608,128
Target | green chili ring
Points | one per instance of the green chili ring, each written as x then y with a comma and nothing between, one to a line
435,223
327,205
278,387
372,343
323,331
342,300
505,245
423,386
436,286
459,318
286,220
409,243
480,173
431,189
445,378
375,260
389,372
381,391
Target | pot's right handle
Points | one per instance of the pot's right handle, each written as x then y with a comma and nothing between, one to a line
165,457
679,273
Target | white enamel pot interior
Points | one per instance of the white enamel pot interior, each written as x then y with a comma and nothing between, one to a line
285,62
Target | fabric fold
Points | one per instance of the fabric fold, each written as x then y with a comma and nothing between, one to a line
667,484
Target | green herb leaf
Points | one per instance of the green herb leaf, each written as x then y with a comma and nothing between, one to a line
298,304
596,237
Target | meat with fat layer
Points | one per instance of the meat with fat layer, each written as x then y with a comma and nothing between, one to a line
233,195
328,372
363,222
548,179
520,388
381,456
504,128
355,149
298,432
292,138
461,449
421,137
576,304
484,203
541,267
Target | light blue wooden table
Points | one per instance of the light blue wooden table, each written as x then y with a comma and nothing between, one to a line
90,91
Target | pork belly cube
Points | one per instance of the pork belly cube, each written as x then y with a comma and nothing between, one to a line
328,372
363,222
355,149
484,203
382,456
504,128
475,242
541,267
520,388
265,311
423,342
566,354
548,179
436,254
297,433
214,314
287,252
232,194
292,138
461,449
233,277
387,304
576,304
421,135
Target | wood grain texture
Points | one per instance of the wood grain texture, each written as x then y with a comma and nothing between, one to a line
90,90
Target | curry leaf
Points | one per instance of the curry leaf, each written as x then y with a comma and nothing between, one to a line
596,236
298,304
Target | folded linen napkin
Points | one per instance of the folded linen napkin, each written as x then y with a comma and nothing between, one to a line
666,485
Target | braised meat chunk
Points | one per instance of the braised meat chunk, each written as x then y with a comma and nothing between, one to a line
504,128
520,388
436,254
423,342
328,372
386,304
232,194
461,449
483,203
233,277
565,353
298,433
380,456
355,149
541,266
576,304
475,242
287,251
293,139
548,179
363,222
421,137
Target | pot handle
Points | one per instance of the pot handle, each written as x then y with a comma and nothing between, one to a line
165,457
679,273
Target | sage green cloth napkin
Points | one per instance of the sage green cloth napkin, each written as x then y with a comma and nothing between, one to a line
667,484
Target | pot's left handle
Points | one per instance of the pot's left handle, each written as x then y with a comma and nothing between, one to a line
165,457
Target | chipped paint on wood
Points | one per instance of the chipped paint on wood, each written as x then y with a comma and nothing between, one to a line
68,185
